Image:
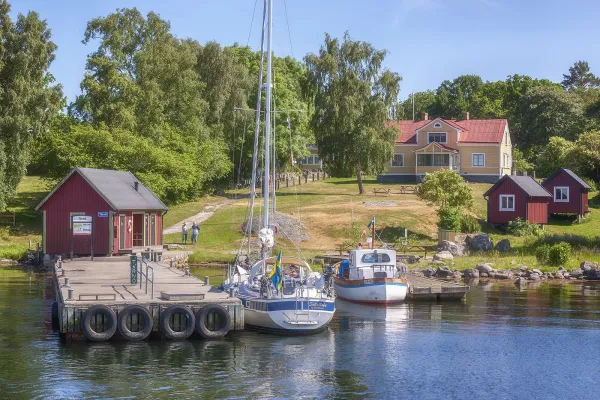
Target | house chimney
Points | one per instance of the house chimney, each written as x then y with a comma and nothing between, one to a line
424,116
466,115
136,185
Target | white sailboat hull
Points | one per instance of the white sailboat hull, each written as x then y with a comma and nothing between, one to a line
377,293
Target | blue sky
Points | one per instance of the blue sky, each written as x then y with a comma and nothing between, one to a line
428,40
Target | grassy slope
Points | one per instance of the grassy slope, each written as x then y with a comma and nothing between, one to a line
14,241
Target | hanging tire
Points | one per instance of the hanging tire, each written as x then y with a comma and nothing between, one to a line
55,321
128,333
169,332
201,325
86,323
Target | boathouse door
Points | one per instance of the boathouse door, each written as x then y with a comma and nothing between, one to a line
138,230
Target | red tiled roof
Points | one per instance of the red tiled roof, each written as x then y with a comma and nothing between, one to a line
472,130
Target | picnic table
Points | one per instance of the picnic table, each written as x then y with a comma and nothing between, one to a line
408,189
384,191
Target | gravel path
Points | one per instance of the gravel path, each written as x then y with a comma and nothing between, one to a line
202,216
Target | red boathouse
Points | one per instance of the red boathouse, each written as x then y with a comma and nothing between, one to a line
569,193
515,197
110,210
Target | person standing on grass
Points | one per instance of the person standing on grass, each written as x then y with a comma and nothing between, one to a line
184,233
195,232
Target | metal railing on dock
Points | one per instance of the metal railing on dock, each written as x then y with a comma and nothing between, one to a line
141,262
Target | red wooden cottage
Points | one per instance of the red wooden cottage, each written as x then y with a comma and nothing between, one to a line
110,209
569,193
515,197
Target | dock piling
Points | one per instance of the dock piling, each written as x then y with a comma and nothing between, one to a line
69,294
206,280
67,282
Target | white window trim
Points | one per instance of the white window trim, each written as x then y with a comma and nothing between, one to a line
513,202
445,133
392,161
561,200
437,125
473,164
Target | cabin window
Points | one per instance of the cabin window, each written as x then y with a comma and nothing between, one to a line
398,160
311,160
561,194
507,202
375,258
433,160
438,137
478,159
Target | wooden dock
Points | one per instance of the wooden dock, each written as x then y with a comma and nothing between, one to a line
80,285
429,289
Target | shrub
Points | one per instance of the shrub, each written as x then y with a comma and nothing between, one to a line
518,227
13,252
559,254
469,224
449,218
542,253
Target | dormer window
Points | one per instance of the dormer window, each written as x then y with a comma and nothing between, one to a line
438,137
437,125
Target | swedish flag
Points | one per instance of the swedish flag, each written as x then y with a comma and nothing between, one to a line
275,274
371,223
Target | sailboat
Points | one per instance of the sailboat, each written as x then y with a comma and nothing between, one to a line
278,293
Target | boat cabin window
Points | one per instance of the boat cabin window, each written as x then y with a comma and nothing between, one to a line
375,258
289,286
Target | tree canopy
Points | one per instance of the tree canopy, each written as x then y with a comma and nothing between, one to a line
352,95
446,189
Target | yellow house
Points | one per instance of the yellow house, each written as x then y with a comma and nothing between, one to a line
313,162
480,150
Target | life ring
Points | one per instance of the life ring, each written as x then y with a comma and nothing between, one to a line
86,323
55,321
169,332
128,333
201,327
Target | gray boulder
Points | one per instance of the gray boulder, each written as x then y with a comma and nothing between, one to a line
444,256
523,268
480,241
484,275
470,273
577,273
537,271
534,276
588,266
484,268
456,275
456,249
443,272
428,272
561,268
503,245
559,275
503,275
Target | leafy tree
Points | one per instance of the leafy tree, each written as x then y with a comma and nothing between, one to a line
556,154
520,160
352,94
28,99
580,76
462,94
445,188
585,155
424,102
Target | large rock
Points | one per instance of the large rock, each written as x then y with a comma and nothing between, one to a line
588,266
503,245
428,272
443,272
523,268
470,273
480,241
537,271
503,275
483,275
484,268
456,249
534,277
559,275
444,256
576,273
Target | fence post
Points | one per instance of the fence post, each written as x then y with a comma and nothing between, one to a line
306,178
287,181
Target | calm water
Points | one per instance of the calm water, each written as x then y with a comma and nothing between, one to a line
501,344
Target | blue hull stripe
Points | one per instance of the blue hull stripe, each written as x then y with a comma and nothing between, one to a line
290,305
371,284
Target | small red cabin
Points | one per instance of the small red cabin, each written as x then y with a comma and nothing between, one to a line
101,211
515,197
569,193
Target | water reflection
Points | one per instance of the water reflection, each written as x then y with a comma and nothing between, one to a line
503,341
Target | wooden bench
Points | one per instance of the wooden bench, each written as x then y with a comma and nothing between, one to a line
408,189
8,218
384,191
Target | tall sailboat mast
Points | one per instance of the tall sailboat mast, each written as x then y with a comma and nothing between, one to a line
268,113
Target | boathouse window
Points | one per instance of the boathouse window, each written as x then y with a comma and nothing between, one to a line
507,202
375,258
398,160
433,160
439,137
561,194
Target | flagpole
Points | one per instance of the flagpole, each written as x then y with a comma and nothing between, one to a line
373,234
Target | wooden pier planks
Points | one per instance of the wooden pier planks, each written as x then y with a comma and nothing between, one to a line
422,288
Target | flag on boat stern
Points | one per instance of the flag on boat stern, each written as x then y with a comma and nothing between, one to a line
371,223
275,274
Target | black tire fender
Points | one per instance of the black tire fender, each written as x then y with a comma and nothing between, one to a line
201,327
126,332
86,320
166,328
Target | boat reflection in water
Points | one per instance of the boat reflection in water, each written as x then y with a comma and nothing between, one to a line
372,312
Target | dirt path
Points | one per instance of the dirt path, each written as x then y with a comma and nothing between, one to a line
202,216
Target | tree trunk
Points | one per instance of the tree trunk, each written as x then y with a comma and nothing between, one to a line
361,190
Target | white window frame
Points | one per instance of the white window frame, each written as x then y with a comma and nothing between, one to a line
561,188
437,133
507,196
437,125
393,158
473,160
